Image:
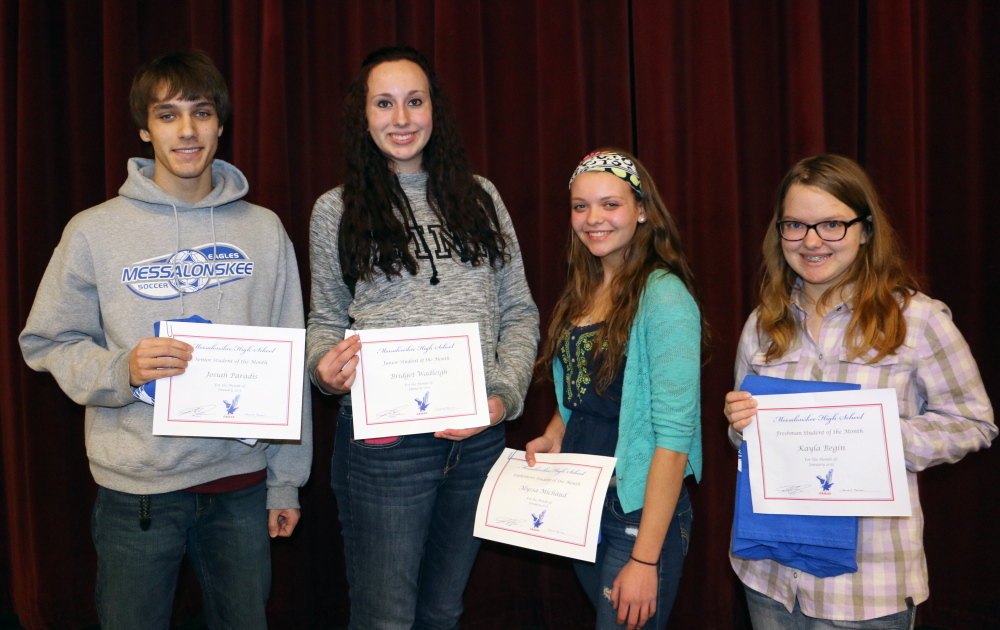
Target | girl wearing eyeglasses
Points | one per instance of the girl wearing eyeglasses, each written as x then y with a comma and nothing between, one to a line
624,347
837,303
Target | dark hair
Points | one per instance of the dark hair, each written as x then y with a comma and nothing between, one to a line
191,75
880,279
372,237
656,244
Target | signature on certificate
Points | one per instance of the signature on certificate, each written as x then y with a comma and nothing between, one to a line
394,412
198,412
509,521
794,489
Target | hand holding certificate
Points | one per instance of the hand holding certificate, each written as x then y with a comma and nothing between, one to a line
242,382
419,379
554,506
828,454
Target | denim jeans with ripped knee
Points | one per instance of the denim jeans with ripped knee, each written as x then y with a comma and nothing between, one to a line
618,534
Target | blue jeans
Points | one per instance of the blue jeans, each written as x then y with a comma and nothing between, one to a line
767,613
618,533
407,510
225,537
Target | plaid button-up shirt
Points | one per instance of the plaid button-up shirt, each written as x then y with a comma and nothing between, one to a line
944,414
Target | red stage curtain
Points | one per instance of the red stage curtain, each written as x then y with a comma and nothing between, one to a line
717,97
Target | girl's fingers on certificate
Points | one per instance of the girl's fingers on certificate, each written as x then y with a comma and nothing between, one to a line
495,406
548,442
496,417
337,369
541,444
457,435
349,373
740,410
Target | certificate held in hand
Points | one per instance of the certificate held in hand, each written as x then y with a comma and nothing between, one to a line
242,382
554,506
418,379
828,454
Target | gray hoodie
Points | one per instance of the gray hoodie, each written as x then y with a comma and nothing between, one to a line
146,256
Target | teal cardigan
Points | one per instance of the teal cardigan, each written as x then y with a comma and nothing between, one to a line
661,395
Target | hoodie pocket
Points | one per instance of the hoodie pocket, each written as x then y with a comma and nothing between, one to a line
132,444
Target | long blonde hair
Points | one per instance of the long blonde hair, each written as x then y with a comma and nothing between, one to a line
880,282
656,244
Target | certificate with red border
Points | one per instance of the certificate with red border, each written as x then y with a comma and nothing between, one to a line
242,382
418,379
828,454
554,506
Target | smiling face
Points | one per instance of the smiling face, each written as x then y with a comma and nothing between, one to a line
604,216
400,115
819,263
185,136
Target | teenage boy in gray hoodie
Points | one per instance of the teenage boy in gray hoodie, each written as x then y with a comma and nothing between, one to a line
178,241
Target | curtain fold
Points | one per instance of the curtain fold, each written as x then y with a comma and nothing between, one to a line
717,97
688,135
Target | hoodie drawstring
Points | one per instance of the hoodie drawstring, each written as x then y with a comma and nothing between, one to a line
177,253
211,268
215,258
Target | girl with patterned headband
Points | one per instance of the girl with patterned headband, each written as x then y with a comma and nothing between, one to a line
624,348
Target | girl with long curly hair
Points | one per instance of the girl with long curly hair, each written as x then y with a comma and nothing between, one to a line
837,303
413,238
624,348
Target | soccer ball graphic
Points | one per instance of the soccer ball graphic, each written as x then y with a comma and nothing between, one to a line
188,265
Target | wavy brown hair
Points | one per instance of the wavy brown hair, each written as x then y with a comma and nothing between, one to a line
190,75
879,280
656,244
372,236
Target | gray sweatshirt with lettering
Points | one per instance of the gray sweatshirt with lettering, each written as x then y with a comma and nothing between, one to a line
146,256
497,299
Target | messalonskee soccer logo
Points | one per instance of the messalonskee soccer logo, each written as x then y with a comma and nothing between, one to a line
206,266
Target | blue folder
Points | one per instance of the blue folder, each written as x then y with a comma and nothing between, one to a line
824,546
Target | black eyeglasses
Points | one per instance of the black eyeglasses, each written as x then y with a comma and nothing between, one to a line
827,230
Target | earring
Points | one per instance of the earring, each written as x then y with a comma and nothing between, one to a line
642,219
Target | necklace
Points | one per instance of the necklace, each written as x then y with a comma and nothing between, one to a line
598,308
